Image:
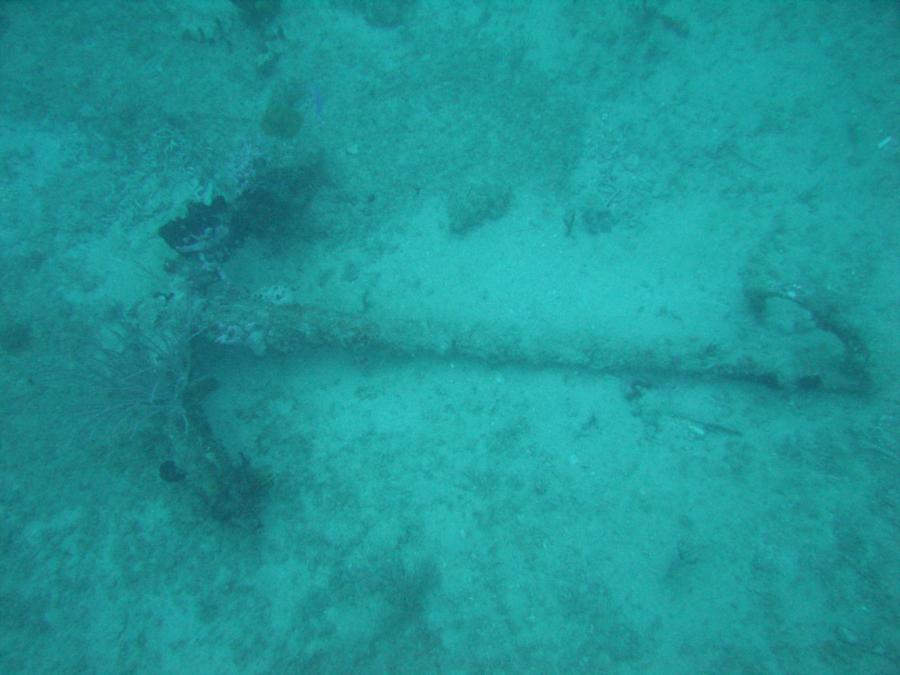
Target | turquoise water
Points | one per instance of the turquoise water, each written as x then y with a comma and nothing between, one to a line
450,337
